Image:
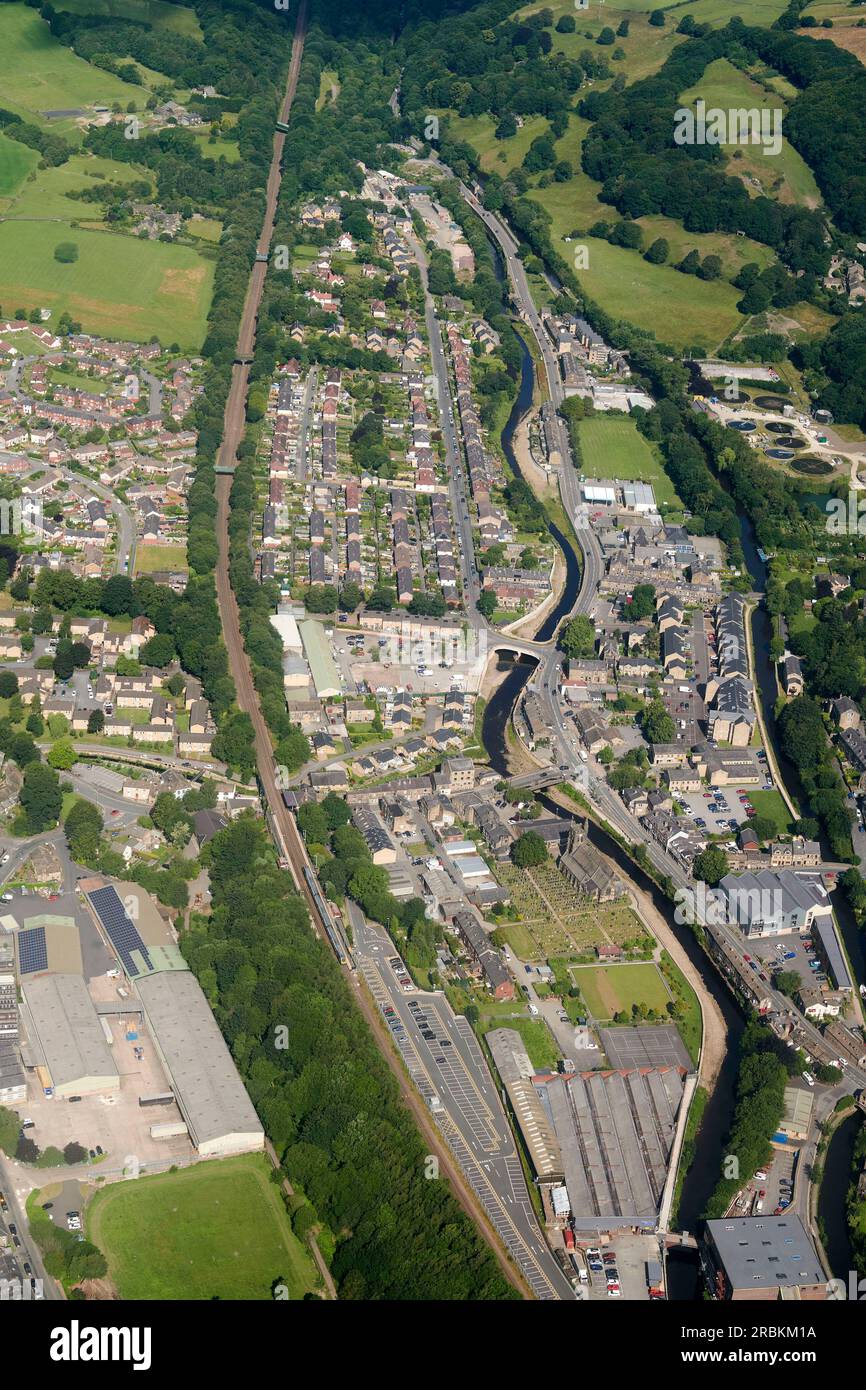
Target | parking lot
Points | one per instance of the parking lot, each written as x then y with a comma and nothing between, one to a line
630,1253
714,809
788,952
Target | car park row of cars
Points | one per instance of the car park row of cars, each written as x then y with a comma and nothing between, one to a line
605,1265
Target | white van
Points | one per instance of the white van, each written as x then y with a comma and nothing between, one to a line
533,1009
808,1078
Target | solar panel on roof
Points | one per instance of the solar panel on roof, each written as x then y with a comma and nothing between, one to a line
122,931
32,950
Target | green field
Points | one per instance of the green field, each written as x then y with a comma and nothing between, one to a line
149,558
613,448
44,195
216,1230
40,74
204,228
157,13
771,804
119,286
16,161
785,176
612,989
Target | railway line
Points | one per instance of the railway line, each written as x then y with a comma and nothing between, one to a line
280,820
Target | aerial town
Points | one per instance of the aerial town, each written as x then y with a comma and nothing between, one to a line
432,659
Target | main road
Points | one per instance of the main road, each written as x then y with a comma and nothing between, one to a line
282,822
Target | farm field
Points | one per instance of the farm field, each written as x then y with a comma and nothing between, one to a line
40,74
177,18
613,989
501,155
786,176
679,309
119,286
614,448
215,1230
44,196
646,47
149,558
16,161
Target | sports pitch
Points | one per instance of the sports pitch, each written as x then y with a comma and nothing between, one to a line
215,1230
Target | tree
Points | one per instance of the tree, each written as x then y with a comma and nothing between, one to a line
83,826
64,661
657,18
66,252
606,37
8,684
788,982
41,797
710,866
578,637
159,651
566,24
529,851
486,603
658,252
656,724
62,755
95,721
643,602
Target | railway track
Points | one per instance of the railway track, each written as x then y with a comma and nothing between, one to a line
283,826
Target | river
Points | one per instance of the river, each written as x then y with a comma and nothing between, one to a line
706,1166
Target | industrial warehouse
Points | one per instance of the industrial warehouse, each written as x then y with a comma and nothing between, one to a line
600,1142
110,1014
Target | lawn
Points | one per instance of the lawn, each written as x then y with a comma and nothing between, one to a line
612,989
614,448
149,558
771,804
16,161
119,286
543,1052
40,74
204,228
215,1230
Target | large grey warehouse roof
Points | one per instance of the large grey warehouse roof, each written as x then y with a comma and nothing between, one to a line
68,1030
203,1076
773,1252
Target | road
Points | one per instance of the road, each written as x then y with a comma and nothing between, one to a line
451,1066
563,740
282,822
457,480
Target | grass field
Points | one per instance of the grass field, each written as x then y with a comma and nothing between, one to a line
216,1230
40,74
785,176
119,286
16,161
679,309
159,557
771,804
204,228
44,195
612,989
158,13
613,448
